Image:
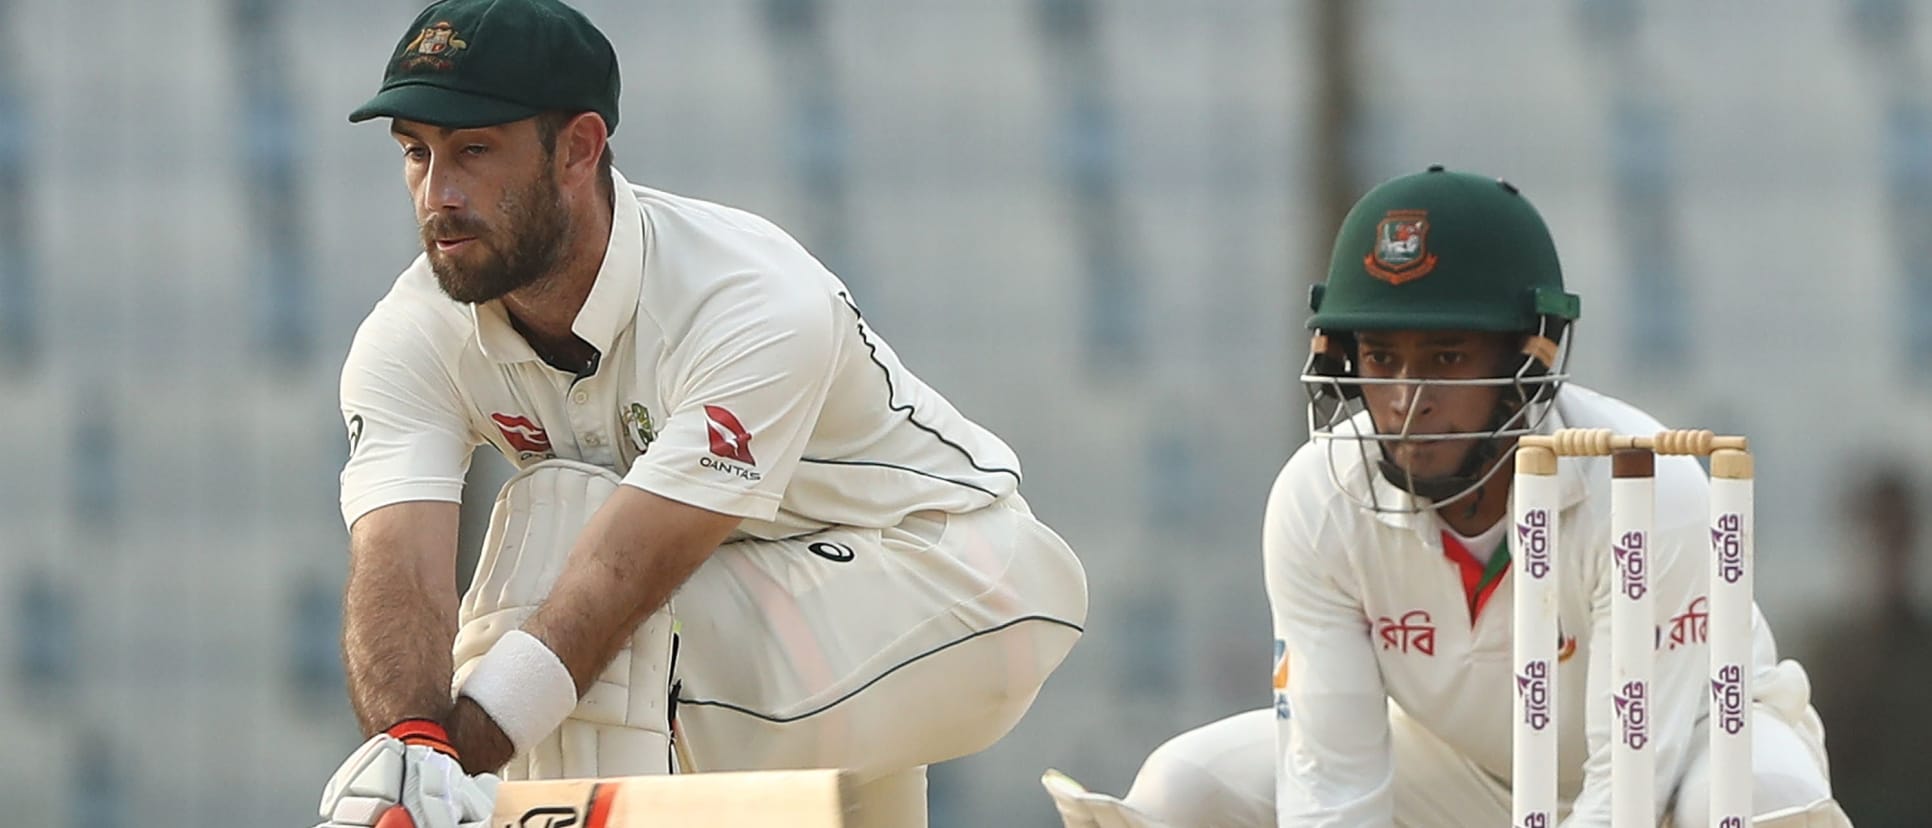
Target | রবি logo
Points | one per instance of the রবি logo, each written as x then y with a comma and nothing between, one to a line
1414,629
1691,626
1401,251
1533,535
522,433
1633,713
1533,684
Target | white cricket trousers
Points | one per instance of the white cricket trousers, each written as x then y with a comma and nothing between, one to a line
876,651
1222,775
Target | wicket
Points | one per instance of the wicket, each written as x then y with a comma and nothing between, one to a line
1634,634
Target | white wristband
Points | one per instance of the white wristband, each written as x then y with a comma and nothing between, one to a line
523,686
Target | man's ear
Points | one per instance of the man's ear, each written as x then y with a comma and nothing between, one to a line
580,144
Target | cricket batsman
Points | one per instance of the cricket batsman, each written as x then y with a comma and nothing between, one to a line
1442,335
742,534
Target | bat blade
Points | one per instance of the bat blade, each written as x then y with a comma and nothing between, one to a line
752,799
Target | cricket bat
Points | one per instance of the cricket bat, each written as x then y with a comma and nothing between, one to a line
753,799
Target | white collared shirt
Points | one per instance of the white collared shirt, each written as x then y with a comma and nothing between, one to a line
735,375
1367,610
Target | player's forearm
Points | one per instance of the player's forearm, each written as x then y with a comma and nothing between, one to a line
603,594
395,652
483,746
635,551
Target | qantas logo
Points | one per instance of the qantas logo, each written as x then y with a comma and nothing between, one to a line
522,433
728,436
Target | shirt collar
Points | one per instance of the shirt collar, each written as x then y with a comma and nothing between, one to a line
611,305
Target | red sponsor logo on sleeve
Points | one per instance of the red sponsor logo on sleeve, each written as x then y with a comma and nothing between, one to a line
728,436
522,433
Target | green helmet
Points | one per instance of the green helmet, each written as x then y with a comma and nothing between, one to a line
1442,250
1438,251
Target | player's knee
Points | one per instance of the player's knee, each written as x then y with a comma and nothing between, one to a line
1218,775
1174,788
1784,774
1780,791
1788,772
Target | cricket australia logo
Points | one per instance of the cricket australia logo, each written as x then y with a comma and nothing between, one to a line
433,49
1401,251
637,421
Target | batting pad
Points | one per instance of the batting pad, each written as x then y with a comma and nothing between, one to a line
621,725
1824,813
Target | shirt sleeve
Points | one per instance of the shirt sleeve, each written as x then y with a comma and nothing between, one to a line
1677,691
1334,767
748,380
408,439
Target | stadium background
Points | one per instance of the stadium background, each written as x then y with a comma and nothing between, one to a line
1091,224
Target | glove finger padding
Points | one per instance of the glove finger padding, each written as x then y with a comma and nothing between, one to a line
430,785
431,782
477,800
366,784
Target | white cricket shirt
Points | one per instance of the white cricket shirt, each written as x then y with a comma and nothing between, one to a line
1370,609
735,375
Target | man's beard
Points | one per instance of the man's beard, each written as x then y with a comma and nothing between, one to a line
519,253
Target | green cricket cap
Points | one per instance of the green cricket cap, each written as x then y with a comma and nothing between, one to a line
1442,250
476,63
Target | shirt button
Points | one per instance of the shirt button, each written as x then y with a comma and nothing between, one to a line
581,397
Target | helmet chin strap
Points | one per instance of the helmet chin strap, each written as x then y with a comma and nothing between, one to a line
1463,480
1443,487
